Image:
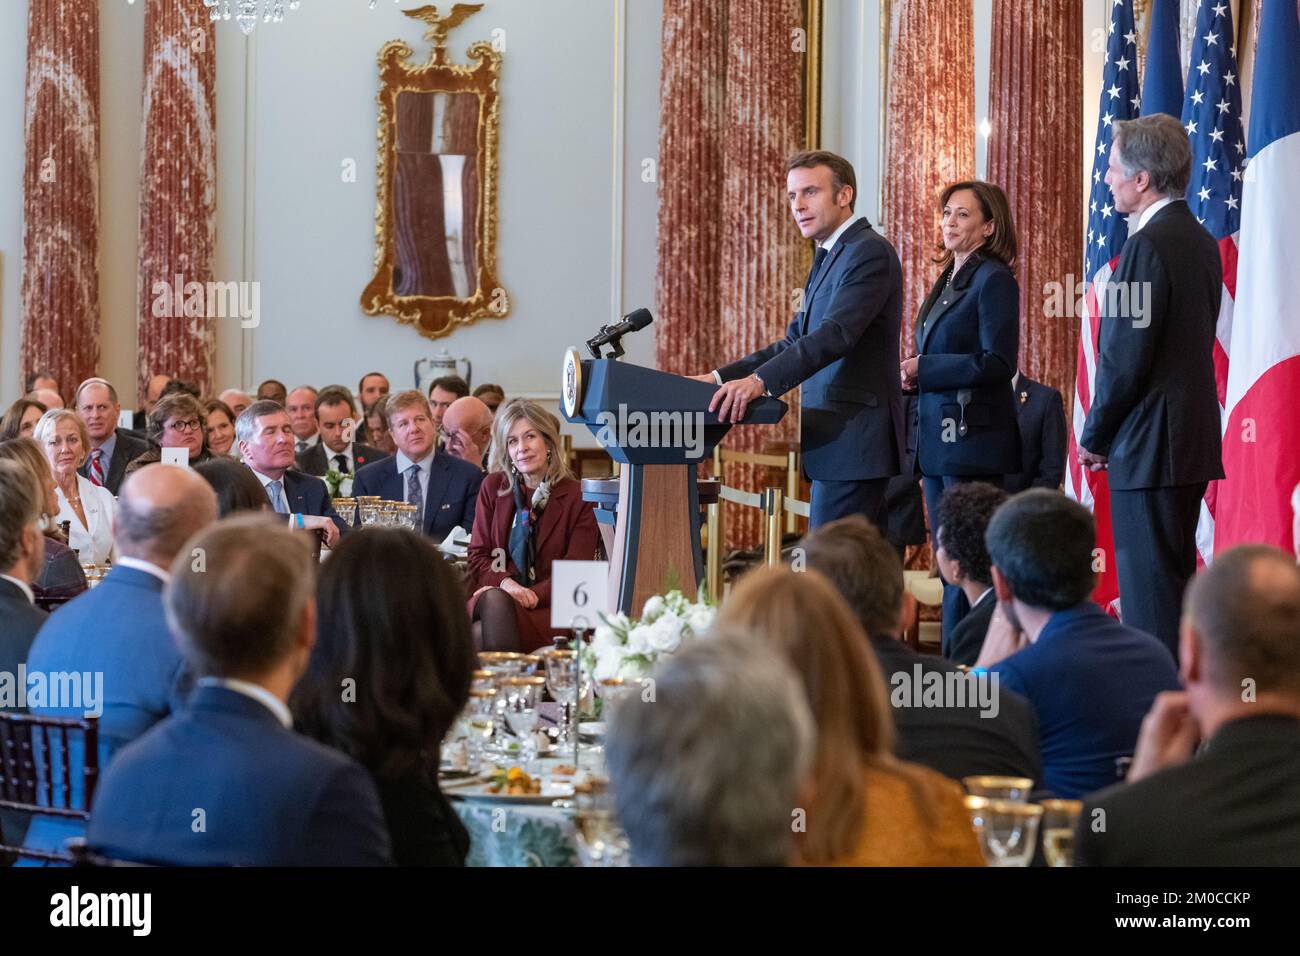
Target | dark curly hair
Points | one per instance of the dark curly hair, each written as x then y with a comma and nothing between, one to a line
961,519
391,619
1042,543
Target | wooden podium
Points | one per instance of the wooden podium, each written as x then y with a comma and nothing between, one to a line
658,427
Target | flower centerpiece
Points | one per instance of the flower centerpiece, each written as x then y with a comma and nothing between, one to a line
626,647
338,483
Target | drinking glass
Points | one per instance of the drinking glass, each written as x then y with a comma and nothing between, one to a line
347,509
601,841
522,695
482,722
1007,831
562,681
1059,820
483,680
1015,789
368,507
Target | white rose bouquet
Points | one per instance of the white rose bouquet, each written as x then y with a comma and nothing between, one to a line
626,647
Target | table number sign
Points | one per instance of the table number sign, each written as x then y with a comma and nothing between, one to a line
176,456
579,592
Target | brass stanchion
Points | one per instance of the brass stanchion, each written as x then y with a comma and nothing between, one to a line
792,489
774,509
713,567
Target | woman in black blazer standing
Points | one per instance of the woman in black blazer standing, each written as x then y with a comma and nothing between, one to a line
967,346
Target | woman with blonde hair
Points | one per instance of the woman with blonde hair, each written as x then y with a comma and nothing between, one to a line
866,807
529,513
61,576
88,508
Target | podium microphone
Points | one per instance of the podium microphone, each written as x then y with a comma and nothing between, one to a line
612,335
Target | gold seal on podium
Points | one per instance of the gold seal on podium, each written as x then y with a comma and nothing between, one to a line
571,386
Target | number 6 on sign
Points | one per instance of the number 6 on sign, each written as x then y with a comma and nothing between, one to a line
579,593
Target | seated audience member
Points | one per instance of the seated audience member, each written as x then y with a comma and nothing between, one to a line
87,508
219,420
391,618
267,795
1040,413
377,433
236,486
711,771
118,628
236,401
176,421
20,419
337,449
180,385
111,448
266,445
867,808
21,559
272,390
442,392
61,576
1235,801
421,473
960,521
301,406
468,430
1090,678
530,510
958,739
43,378
47,397
153,391
372,388
493,396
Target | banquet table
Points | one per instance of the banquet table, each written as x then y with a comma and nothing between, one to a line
518,835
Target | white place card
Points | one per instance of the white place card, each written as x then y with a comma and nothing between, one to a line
579,592
176,456
126,419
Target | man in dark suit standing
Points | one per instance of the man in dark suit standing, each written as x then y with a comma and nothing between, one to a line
226,781
841,348
266,444
956,738
1040,413
444,488
1090,678
1236,800
111,448
337,450
1154,424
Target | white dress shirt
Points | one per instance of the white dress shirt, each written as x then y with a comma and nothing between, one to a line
1150,211
147,567
266,484
93,541
300,445
22,586
258,693
347,453
403,463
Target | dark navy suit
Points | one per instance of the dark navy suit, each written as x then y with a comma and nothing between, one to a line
842,349
967,345
19,622
116,629
1041,415
1092,681
224,783
449,497
126,449
317,460
308,495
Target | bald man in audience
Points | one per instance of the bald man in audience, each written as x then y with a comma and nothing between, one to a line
1234,800
153,391
301,406
236,400
467,423
118,629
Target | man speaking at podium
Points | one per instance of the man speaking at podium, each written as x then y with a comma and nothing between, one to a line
841,347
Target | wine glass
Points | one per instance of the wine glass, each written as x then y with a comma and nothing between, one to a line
522,695
1007,831
1015,789
368,508
562,682
601,840
482,722
347,510
1059,820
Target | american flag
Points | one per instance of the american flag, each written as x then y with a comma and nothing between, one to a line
1212,115
1107,231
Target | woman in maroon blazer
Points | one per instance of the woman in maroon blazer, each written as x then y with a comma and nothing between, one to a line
530,512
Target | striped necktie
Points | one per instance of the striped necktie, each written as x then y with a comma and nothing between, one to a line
97,467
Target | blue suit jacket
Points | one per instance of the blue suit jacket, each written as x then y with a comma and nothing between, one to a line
843,350
308,495
267,795
1091,680
448,500
116,629
1041,415
967,341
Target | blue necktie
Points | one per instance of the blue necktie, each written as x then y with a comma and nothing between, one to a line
413,495
277,497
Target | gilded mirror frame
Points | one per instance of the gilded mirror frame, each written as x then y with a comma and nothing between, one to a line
435,316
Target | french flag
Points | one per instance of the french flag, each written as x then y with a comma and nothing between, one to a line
1261,439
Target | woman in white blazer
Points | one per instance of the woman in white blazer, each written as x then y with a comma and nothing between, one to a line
88,508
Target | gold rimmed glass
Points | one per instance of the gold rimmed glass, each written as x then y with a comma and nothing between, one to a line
522,696
1016,789
347,509
1007,830
1060,817
368,508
